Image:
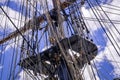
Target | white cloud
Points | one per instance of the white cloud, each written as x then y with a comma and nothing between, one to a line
109,52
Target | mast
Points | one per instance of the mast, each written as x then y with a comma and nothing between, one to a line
31,23
62,48
57,44
59,61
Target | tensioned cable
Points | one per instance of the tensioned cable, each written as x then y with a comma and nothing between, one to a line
103,76
3,55
111,30
93,72
94,63
30,74
112,54
87,18
108,60
104,41
16,27
104,29
34,7
31,65
15,56
110,4
6,3
101,14
113,5
69,41
111,8
108,17
105,70
61,49
11,63
22,9
11,17
28,13
113,36
88,60
96,69
101,20
109,12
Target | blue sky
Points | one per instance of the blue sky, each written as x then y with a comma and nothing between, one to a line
98,33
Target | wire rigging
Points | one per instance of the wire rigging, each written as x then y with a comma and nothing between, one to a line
43,40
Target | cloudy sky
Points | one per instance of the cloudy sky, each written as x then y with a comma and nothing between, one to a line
106,63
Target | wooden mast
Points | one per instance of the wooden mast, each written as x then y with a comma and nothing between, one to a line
36,21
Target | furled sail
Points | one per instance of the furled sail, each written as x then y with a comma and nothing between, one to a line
58,40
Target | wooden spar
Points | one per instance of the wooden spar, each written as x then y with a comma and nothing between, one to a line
30,24
23,29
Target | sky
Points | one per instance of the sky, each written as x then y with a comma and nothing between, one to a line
107,55
107,60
